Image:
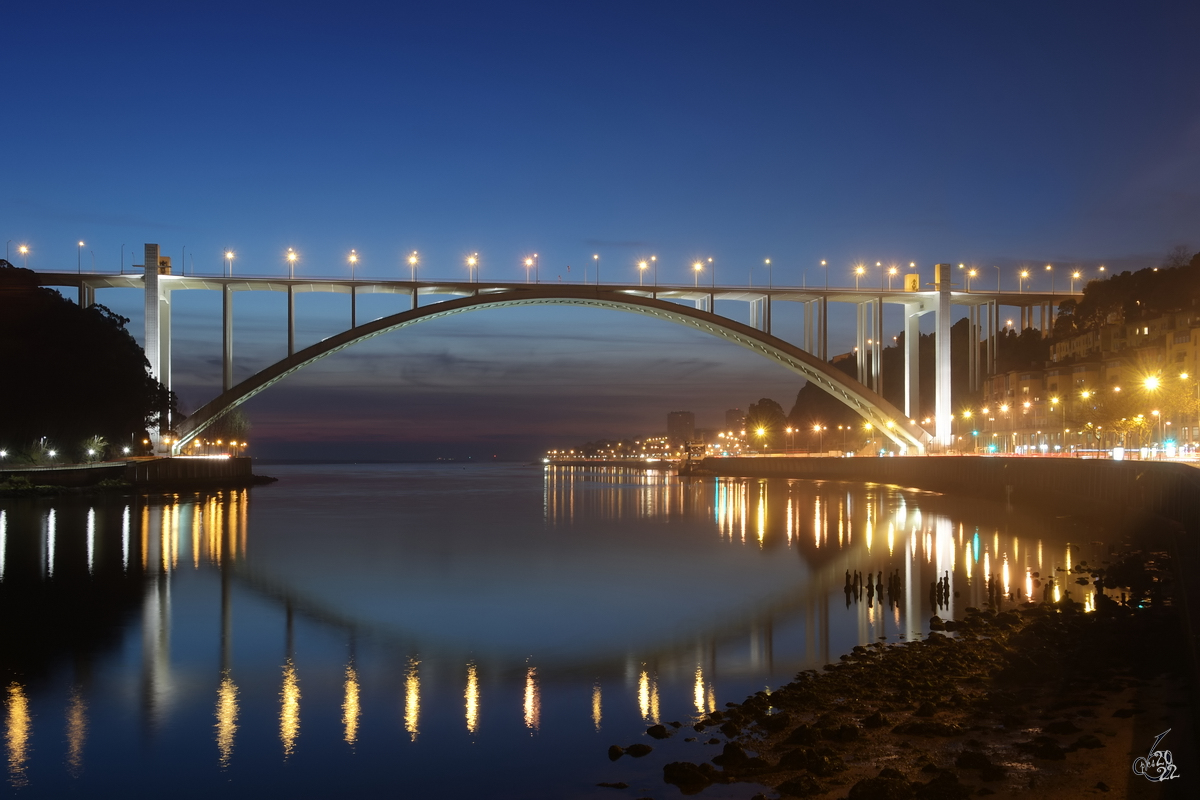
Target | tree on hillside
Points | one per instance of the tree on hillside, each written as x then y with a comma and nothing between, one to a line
71,373
1134,296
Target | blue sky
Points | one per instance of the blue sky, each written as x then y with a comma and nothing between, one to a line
995,134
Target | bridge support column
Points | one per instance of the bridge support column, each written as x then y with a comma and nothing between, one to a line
824,329
291,319
87,296
877,350
912,360
226,337
809,309
414,298
156,305
943,410
972,347
354,306
860,343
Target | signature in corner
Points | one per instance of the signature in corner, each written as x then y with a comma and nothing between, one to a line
1158,765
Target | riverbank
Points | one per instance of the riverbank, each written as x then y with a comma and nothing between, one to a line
148,474
1041,699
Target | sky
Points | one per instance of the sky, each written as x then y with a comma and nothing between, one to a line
999,135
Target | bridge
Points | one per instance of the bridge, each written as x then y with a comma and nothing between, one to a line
692,306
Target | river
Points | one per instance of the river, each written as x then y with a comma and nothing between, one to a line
454,630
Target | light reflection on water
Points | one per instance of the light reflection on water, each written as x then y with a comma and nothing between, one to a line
277,563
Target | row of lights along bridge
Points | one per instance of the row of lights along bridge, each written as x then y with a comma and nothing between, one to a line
472,262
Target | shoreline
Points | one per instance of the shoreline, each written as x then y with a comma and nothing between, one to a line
19,487
1035,700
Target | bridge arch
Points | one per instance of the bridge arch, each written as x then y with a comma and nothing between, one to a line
885,417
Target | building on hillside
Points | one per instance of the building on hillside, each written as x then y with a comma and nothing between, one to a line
1044,410
681,427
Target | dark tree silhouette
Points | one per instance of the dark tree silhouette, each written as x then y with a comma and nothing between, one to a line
71,373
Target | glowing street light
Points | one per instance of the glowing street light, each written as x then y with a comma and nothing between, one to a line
24,251
291,259
1021,280
353,258
642,267
697,267
528,266
472,264
1050,269
713,272
1076,275
859,271
79,258
971,273
596,258
770,276
892,272
412,265
823,266
229,263
654,264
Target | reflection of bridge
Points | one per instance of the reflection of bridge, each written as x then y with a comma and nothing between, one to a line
692,306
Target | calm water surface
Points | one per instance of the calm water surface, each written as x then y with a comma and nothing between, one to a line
422,631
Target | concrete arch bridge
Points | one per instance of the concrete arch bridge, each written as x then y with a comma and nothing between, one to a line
691,306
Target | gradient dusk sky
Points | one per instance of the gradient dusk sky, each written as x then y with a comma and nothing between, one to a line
997,134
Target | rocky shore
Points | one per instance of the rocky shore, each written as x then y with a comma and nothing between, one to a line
1034,700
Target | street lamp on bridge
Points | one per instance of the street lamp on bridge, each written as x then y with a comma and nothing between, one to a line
823,266
79,258
229,263
642,266
1076,275
291,259
472,267
892,272
412,264
353,262
1050,269
528,266
596,258
1021,280
697,267
859,271
24,251
770,276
